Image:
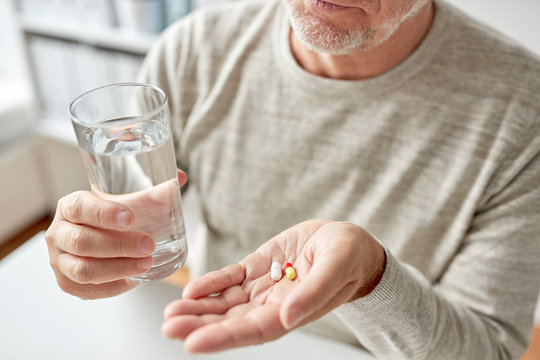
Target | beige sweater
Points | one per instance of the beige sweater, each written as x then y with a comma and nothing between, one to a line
437,158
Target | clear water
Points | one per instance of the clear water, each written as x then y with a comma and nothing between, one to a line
135,165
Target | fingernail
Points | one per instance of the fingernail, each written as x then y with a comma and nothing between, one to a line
145,263
123,219
294,318
146,246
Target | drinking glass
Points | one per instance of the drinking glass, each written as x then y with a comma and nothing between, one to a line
124,135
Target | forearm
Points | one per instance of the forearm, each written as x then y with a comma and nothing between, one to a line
405,317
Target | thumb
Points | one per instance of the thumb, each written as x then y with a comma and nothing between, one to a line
182,177
318,289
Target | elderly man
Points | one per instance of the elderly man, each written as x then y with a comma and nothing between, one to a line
411,126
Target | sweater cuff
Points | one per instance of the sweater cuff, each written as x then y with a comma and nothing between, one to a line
390,303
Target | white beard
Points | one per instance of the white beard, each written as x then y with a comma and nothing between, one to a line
319,36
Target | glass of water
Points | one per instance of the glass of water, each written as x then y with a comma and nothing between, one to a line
124,135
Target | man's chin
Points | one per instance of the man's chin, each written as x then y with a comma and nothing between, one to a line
319,36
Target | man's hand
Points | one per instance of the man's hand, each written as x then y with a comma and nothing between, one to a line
241,305
93,248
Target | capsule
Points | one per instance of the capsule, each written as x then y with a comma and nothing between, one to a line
290,273
275,271
286,266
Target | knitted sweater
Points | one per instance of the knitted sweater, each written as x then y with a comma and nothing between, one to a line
437,158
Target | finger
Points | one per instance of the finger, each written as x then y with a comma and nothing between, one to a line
319,287
86,270
83,207
257,326
214,282
209,305
341,297
182,177
179,327
93,242
93,291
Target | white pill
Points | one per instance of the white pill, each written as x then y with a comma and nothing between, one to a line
275,271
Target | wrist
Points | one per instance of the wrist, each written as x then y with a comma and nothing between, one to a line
373,273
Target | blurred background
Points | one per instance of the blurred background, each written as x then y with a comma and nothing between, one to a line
54,50
50,52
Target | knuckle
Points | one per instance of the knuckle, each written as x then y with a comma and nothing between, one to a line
81,272
102,214
71,205
52,239
77,242
50,236
60,204
54,266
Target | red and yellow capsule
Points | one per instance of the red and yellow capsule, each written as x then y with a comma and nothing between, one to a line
290,273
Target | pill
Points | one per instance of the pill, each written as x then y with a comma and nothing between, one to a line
290,273
275,271
286,266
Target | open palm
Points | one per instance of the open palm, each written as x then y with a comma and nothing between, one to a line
241,305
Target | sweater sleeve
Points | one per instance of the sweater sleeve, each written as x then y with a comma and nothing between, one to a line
482,307
169,66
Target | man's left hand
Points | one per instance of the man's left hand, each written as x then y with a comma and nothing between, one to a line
241,305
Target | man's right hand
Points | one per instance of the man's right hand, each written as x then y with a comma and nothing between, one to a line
91,248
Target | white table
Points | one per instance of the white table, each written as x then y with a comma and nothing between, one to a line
39,321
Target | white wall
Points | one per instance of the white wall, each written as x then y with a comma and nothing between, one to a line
518,18
11,61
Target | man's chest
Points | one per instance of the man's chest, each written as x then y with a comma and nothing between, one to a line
406,180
